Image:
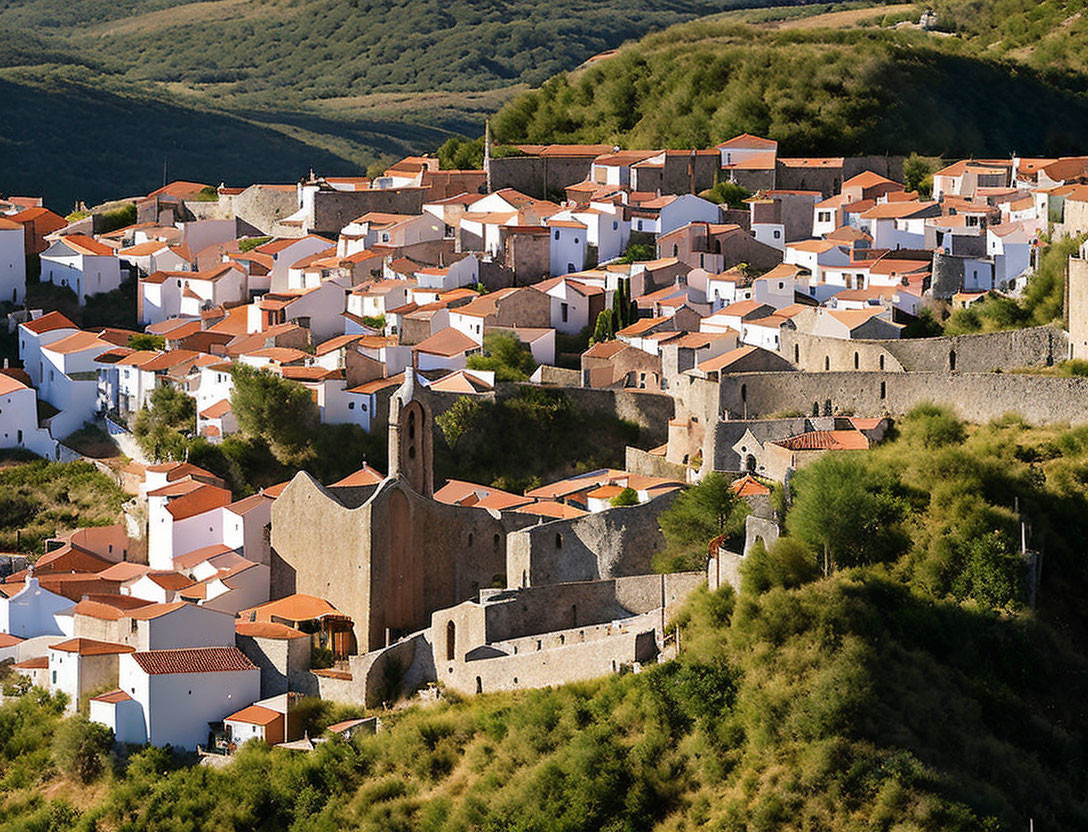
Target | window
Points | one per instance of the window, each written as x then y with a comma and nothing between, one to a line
451,641
615,225
564,312
883,389
351,405
557,234
777,234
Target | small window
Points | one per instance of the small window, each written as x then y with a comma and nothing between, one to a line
557,234
777,234
558,541
351,405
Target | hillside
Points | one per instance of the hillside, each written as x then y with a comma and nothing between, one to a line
912,690
864,89
99,94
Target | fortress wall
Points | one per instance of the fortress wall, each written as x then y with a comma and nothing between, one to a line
976,397
983,353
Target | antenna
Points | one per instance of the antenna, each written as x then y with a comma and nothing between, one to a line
164,171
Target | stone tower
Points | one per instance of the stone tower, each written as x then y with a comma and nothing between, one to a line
1076,304
411,438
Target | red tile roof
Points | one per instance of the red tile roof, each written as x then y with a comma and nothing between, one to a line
254,715
266,629
48,322
91,647
193,660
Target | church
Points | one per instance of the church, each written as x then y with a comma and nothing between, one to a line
388,555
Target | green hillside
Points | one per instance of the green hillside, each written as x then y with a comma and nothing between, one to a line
869,89
263,89
911,690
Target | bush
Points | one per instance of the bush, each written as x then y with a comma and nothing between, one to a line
81,748
509,358
280,411
627,497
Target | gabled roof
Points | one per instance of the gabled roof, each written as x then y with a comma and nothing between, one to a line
48,322
82,244
749,142
721,362
447,342
193,660
113,697
76,342
254,715
91,647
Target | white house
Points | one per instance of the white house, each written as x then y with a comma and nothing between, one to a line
574,304
374,299
70,380
318,309
179,692
1009,244
12,262
816,256
154,256
445,350
465,272
285,253
397,230
164,295
181,517
663,214
81,665
606,230
36,333
19,419
568,246
82,264
30,611
747,149
899,224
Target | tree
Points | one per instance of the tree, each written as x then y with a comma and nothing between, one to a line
846,511
918,174
280,411
992,572
509,358
637,252
727,193
162,429
627,497
146,341
459,419
703,512
461,154
81,748
932,426
605,330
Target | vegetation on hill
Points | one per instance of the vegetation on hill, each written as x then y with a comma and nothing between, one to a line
525,440
871,698
328,84
818,92
38,499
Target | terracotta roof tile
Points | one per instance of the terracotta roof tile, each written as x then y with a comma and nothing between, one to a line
193,660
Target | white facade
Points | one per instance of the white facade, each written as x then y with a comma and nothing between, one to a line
30,348
30,611
84,274
12,263
19,420
568,248
177,707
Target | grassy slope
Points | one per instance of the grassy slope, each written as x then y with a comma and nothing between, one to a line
97,93
870,700
865,90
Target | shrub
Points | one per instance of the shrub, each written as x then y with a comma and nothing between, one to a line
81,748
627,497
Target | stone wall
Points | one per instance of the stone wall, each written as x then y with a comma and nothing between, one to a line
607,544
638,461
650,411
976,397
1076,307
1034,347
538,176
335,209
